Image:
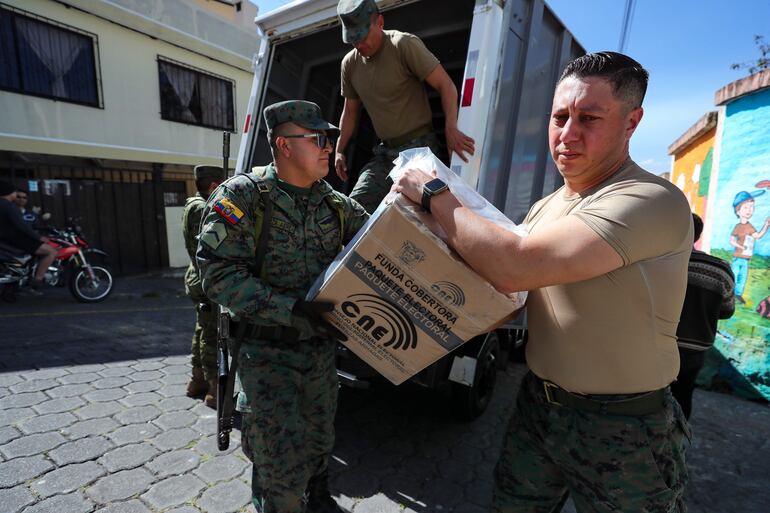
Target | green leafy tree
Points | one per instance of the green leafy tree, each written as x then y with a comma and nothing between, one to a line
762,63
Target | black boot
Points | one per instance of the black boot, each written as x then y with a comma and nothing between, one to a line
319,500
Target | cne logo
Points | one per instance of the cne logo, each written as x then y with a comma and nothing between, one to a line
449,292
410,254
381,320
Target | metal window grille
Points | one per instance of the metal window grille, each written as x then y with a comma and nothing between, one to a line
192,96
41,57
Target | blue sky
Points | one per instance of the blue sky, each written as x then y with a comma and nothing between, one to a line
686,45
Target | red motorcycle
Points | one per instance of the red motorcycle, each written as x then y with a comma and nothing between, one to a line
87,283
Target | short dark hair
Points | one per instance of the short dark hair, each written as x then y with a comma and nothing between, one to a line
277,131
202,185
697,224
628,77
25,191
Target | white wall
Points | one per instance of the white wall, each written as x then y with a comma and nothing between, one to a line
177,253
128,127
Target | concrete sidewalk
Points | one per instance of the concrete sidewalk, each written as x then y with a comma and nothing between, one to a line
93,417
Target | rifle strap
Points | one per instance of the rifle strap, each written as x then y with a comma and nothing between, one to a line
259,260
262,216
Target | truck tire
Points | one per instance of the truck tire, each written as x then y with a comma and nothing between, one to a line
469,402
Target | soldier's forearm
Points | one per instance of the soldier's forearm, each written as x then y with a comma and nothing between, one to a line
246,296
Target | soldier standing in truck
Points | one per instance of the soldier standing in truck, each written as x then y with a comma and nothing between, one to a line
385,72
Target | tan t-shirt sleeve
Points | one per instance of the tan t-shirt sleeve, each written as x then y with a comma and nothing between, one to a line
644,222
346,88
415,56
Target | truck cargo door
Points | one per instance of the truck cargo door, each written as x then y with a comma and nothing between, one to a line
479,84
252,119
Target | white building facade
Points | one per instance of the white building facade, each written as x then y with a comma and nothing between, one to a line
121,91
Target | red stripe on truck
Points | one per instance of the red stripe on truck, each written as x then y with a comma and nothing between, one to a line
246,123
468,92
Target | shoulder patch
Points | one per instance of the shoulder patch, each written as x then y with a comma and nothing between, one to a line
213,234
328,223
225,208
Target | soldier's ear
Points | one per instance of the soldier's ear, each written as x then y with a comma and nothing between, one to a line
283,147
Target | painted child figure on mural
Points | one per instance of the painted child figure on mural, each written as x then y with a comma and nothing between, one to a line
743,237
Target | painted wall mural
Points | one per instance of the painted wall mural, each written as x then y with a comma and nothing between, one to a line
692,171
740,219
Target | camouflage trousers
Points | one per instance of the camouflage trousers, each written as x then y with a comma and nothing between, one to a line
291,390
373,183
204,340
607,463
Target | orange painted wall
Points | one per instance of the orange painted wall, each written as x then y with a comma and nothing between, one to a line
683,170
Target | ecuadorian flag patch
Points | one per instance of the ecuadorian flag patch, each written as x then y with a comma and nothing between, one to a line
230,212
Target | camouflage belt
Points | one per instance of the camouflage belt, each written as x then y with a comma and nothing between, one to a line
635,405
403,139
272,333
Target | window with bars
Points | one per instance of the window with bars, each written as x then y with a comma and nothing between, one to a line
41,57
192,96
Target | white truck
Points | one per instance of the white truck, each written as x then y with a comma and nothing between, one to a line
504,57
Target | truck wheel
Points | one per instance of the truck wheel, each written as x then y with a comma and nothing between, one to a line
471,402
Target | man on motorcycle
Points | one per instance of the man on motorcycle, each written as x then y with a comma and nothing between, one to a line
16,233
28,214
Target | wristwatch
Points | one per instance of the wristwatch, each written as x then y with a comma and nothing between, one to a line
430,189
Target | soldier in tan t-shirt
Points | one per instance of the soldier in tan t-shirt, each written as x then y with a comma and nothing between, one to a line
385,72
605,262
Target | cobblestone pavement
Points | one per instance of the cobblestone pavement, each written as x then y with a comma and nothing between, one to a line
93,417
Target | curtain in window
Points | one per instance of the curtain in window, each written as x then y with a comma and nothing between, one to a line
216,103
183,83
56,49
190,96
9,70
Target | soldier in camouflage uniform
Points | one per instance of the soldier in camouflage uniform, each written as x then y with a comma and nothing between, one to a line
287,355
385,73
605,263
204,341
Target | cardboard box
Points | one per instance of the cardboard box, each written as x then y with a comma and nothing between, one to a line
403,297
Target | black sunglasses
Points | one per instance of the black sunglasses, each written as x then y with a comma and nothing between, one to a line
321,139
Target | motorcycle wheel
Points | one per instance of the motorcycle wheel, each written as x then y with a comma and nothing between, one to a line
86,290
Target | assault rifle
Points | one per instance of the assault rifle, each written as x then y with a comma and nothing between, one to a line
226,370
225,378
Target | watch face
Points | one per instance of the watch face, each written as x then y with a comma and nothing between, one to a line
435,186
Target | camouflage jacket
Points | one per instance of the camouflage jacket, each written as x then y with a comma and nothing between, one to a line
300,247
191,221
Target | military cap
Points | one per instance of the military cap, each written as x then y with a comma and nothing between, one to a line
214,172
300,112
356,17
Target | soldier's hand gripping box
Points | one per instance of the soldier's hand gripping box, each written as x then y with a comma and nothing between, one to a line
403,297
